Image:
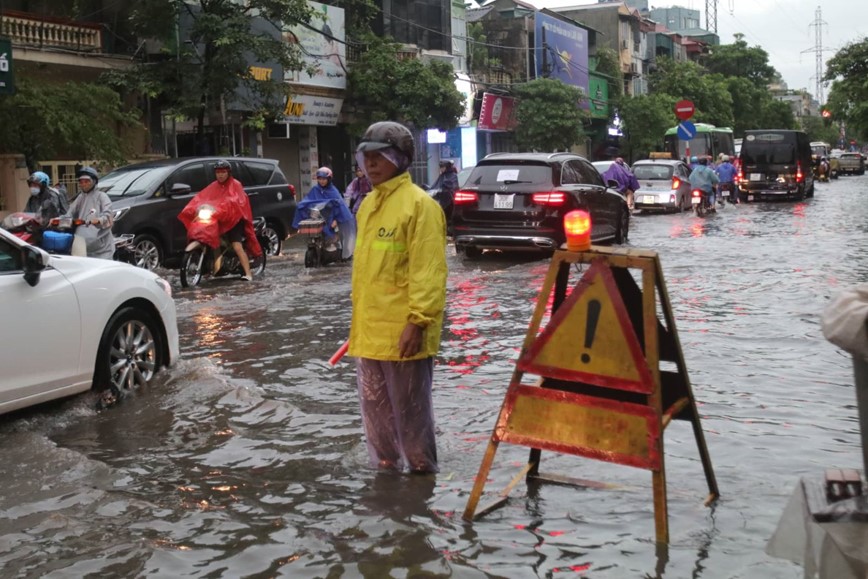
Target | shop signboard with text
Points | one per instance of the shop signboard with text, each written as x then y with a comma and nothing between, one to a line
497,113
312,110
7,80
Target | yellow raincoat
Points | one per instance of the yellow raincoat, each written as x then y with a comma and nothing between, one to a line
399,270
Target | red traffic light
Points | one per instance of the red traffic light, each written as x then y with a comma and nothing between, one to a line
577,226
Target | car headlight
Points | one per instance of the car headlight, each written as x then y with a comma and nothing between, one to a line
118,213
164,285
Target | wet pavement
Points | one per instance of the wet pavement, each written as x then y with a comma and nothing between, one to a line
246,459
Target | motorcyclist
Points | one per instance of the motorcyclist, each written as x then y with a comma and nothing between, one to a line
234,216
824,168
726,172
447,183
94,208
702,177
621,174
339,213
357,190
44,201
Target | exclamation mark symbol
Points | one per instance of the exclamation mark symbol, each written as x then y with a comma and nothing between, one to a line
593,317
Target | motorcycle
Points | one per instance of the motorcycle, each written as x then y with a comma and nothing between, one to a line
200,259
701,205
326,239
25,226
727,194
823,171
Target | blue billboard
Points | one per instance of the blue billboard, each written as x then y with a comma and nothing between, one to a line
561,51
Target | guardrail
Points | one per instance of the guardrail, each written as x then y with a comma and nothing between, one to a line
46,32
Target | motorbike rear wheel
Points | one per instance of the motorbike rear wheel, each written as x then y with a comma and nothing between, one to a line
699,208
192,266
311,257
257,264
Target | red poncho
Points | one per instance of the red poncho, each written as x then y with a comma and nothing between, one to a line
231,205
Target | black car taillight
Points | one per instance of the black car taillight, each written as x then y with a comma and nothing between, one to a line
550,198
465,198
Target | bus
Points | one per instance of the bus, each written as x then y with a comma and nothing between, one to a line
709,140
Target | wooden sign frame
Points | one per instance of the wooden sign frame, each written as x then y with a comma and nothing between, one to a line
564,415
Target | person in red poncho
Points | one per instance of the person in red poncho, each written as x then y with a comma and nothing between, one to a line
234,218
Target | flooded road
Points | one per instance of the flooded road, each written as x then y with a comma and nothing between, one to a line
246,459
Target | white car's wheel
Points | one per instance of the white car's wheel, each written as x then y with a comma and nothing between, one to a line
130,352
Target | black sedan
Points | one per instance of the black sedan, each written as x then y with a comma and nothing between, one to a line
517,201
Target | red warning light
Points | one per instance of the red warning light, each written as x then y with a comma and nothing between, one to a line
577,226
826,113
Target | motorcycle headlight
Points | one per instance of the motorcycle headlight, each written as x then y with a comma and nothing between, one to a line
205,213
118,213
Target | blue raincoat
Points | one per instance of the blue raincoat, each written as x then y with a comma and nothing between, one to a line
338,210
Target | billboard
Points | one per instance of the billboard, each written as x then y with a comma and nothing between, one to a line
561,51
598,96
322,47
497,113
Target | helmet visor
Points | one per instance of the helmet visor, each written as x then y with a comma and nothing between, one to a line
372,146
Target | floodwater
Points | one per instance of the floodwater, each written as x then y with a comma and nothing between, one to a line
246,459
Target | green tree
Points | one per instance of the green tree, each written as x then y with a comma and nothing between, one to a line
382,87
738,60
848,97
549,115
688,80
82,120
819,130
211,67
644,121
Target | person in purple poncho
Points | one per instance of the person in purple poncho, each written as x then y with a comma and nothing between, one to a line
627,182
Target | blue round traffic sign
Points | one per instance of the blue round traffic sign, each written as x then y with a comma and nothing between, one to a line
686,130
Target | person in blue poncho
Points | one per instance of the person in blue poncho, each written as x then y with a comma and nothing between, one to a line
339,220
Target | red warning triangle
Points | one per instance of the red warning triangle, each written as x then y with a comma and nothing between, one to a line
590,338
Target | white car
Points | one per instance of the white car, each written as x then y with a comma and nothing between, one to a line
69,324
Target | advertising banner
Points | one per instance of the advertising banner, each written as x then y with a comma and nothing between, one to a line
497,113
561,51
322,45
312,110
598,96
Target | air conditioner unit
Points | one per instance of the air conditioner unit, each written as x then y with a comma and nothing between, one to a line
634,68
624,45
277,131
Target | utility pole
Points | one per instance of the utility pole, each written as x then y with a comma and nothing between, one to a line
817,49
711,15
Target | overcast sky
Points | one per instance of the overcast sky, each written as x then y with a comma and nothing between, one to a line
783,28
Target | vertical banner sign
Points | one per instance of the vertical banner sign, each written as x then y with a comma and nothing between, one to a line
7,80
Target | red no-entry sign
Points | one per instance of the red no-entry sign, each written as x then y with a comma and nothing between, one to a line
684,109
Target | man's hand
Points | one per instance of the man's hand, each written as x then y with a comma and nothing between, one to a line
411,340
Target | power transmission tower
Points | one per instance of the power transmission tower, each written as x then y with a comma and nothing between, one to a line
818,51
711,15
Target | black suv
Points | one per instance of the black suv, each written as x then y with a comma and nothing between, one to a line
517,201
775,164
147,198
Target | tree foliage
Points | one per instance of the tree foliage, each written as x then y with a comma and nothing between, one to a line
82,120
644,121
738,60
848,97
549,115
609,66
382,87
211,65
818,129
688,80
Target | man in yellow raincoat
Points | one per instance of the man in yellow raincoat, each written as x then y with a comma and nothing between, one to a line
399,294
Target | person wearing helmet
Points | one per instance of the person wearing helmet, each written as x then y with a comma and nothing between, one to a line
340,223
234,216
94,208
43,201
726,172
446,185
398,299
702,177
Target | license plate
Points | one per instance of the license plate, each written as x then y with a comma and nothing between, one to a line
725,193
695,200
648,199
503,201
750,197
756,176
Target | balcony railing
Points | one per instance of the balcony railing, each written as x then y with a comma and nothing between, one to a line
33,30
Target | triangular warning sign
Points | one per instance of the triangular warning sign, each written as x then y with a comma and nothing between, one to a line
590,338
